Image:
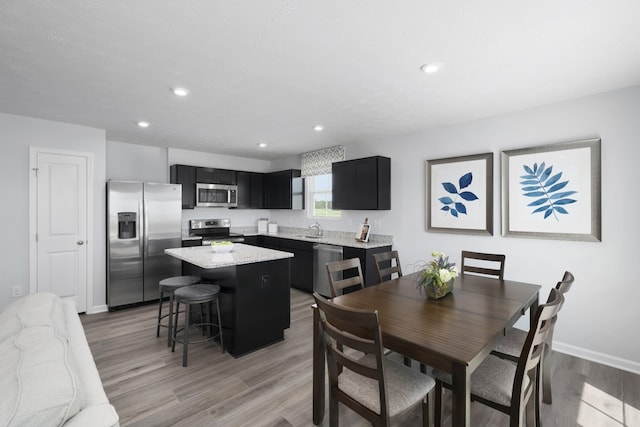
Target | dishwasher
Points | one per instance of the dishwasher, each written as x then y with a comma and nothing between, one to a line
322,254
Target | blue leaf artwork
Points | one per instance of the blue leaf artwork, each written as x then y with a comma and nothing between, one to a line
451,204
547,189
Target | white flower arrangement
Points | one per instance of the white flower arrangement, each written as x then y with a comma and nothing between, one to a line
437,275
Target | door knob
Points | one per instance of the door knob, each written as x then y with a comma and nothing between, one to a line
80,242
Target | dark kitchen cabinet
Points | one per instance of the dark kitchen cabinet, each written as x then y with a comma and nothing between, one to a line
250,190
301,263
185,175
215,176
251,240
366,261
362,184
284,190
269,242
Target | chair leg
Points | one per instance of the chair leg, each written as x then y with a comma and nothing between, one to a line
437,405
333,410
220,323
425,412
546,376
170,322
159,317
202,318
185,343
175,328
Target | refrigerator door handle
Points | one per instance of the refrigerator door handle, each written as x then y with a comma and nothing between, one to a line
142,224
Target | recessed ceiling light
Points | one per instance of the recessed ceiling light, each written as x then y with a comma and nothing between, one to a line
261,144
429,68
143,124
180,91
318,128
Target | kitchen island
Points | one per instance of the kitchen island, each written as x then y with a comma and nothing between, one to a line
255,296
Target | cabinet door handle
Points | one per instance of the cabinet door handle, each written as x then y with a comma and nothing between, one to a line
80,242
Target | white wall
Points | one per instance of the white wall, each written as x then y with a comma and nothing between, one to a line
210,160
130,162
17,134
599,320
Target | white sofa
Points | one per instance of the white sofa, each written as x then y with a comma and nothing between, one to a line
47,373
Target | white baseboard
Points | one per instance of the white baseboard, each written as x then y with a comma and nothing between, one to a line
594,356
97,309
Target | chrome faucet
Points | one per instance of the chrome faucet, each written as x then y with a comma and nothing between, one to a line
317,228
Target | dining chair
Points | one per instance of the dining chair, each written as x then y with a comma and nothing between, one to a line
511,344
391,259
335,270
375,387
381,260
482,263
499,384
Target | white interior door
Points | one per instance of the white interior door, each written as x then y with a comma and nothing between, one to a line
61,226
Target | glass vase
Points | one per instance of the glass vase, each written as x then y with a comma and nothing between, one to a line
436,291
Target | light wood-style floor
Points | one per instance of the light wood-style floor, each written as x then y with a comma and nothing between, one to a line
272,387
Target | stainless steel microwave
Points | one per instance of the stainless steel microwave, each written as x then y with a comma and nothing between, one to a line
217,195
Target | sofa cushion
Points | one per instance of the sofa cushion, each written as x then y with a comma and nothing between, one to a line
37,378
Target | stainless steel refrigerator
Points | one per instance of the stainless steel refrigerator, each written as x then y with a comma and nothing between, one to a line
143,220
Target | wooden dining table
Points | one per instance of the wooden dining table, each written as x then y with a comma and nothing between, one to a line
454,334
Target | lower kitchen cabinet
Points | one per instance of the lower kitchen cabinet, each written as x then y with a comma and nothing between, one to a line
251,240
366,261
301,264
255,303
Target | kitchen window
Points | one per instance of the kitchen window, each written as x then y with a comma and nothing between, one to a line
316,169
320,197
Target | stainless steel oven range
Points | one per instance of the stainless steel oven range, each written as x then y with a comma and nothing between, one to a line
213,229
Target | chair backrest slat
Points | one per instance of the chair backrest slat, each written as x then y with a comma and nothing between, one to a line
483,258
386,264
336,282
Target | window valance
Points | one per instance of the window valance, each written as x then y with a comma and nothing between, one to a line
319,162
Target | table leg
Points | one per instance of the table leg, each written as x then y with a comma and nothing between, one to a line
318,369
532,312
461,392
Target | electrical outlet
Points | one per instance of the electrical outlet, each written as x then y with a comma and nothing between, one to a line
16,291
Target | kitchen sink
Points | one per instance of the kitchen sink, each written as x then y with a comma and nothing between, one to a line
308,236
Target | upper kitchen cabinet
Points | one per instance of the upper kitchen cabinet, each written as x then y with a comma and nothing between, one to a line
284,190
362,184
215,176
250,190
185,175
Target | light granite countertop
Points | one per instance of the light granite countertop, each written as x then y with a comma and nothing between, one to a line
329,237
204,257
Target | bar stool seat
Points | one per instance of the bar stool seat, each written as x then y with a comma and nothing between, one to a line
196,294
168,286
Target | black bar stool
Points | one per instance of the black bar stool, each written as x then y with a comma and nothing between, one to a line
196,294
168,286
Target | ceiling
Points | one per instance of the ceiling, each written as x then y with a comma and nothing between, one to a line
269,70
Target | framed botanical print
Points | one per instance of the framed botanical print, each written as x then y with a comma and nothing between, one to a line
460,194
552,191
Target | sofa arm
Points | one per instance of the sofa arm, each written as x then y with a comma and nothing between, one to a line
103,415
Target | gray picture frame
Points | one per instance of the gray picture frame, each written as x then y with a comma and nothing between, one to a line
478,216
578,217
